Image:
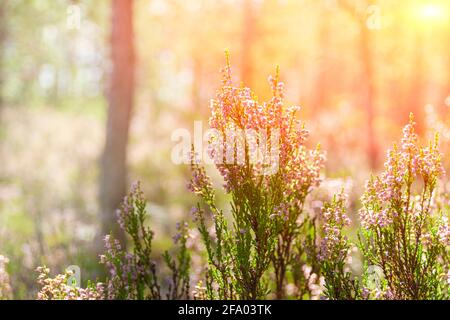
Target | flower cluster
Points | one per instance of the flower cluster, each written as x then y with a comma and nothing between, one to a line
5,287
199,292
402,231
124,271
335,250
376,294
279,239
179,282
132,273
268,195
200,182
404,164
58,288
444,231
315,285
237,109
334,245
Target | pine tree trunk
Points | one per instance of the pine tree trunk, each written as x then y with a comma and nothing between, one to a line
113,178
368,94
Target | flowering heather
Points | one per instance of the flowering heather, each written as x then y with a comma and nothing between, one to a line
199,292
179,283
132,274
335,250
5,287
314,284
334,245
402,232
267,196
283,238
58,288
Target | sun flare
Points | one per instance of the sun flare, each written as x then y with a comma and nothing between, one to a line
430,12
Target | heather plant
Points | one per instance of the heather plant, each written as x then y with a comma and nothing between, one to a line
268,220
59,288
132,273
403,233
335,251
277,241
179,283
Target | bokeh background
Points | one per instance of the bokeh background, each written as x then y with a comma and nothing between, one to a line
357,68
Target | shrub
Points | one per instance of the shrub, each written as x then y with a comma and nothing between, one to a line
271,245
402,232
132,273
58,288
335,251
269,226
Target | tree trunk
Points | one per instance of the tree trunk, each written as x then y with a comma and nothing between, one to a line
322,88
368,93
368,76
415,98
113,177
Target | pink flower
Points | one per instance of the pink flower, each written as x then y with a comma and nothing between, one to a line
403,165
333,245
444,231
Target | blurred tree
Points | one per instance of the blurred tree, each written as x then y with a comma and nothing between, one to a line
322,80
358,11
415,96
113,180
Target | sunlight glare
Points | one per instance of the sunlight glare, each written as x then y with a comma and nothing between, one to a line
431,12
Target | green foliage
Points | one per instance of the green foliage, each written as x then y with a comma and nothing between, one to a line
335,252
403,233
132,273
267,197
